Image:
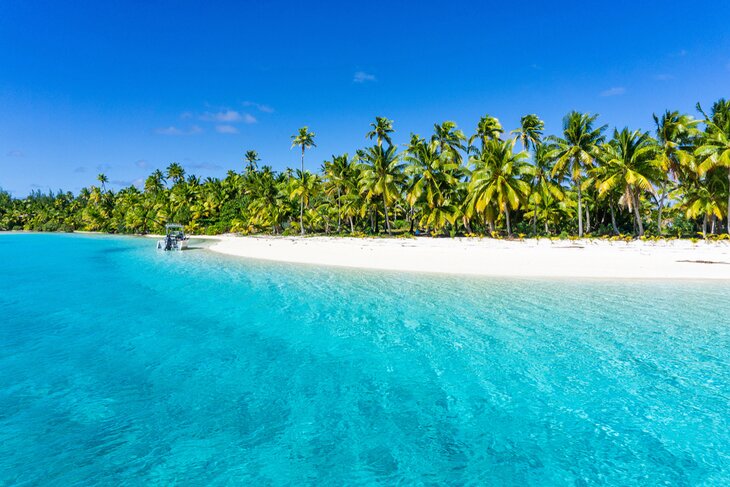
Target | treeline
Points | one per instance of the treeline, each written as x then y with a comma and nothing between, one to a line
586,181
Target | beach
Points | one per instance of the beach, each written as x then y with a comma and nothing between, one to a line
586,258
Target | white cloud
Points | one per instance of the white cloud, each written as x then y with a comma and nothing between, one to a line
172,130
222,116
16,153
259,106
142,164
615,91
363,77
226,129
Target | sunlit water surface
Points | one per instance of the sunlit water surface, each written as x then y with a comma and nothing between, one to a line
121,365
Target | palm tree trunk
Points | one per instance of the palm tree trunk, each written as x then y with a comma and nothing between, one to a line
588,219
387,222
580,210
339,211
704,226
301,200
506,218
727,229
661,207
637,214
613,217
352,226
712,226
410,217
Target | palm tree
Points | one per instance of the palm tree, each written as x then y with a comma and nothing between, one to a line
498,178
382,128
576,150
674,133
339,173
628,164
488,129
382,174
155,182
304,139
103,180
304,185
432,180
252,159
714,150
175,173
700,201
544,187
450,139
530,131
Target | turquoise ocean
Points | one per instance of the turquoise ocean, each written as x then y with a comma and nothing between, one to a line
122,365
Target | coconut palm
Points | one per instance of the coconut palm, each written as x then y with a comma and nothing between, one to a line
530,131
304,186
674,133
714,151
304,139
382,128
252,160
544,186
498,179
382,174
103,180
175,173
488,128
450,140
629,165
576,151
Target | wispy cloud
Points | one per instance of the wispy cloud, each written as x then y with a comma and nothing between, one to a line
186,115
80,169
259,106
663,77
226,129
142,164
172,130
15,153
615,91
103,167
363,77
222,116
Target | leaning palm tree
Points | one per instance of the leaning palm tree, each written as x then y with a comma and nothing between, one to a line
628,164
674,133
530,131
498,179
382,174
304,139
576,150
714,151
382,128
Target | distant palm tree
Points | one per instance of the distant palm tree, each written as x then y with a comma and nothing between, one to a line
382,174
382,128
628,164
488,129
175,173
498,179
450,140
103,180
252,159
576,150
304,139
530,131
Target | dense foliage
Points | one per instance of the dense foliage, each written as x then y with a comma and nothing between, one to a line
584,181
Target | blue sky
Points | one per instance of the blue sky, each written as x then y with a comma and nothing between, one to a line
126,87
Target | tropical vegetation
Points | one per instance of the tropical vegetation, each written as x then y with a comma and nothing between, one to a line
581,181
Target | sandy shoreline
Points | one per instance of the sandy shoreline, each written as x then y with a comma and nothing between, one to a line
678,259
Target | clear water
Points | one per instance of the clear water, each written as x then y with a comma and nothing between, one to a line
120,365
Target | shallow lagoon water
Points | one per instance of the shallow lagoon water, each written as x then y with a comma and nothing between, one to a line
121,365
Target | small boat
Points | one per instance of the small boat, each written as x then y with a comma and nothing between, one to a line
175,238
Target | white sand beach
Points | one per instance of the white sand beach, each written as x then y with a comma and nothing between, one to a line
678,259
